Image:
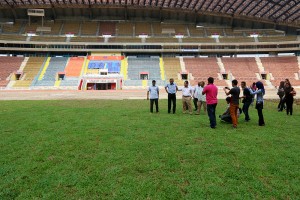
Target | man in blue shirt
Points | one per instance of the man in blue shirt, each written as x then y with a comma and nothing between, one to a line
171,88
154,95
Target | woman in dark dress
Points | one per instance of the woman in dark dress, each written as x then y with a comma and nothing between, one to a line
289,94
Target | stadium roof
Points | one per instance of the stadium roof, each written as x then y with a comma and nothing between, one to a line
275,11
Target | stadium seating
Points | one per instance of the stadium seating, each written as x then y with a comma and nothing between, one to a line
48,39
242,69
74,67
55,28
7,67
172,69
143,65
126,39
232,33
178,28
199,40
12,28
196,32
142,28
202,68
157,30
69,81
235,39
107,28
30,71
161,40
273,33
56,64
124,29
277,38
215,31
32,27
164,29
281,68
13,37
71,27
111,66
89,28
87,39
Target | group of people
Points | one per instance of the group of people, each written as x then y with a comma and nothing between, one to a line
286,95
206,96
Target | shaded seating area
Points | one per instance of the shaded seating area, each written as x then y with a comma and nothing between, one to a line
142,28
107,28
71,27
277,38
89,28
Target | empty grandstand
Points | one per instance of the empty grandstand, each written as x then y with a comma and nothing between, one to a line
8,69
50,72
173,69
156,40
242,69
202,68
29,72
280,68
142,70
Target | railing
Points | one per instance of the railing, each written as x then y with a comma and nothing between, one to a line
151,47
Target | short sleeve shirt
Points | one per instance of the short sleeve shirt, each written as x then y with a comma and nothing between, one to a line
235,95
187,91
199,95
171,88
153,91
211,92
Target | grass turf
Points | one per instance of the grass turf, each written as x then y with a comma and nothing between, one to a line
118,150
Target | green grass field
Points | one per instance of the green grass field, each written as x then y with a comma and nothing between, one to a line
118,150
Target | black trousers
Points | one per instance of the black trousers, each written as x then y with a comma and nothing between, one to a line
260,107
195,100
289,105
171,99
152,101
281,104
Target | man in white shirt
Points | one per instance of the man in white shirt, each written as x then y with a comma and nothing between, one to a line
154,95
187,93
201,97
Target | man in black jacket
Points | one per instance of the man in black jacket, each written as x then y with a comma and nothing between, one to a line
247,99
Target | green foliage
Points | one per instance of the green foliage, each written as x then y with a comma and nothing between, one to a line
118,150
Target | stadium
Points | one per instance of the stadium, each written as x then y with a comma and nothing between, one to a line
88,134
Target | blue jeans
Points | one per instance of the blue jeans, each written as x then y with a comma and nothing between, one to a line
211,111
246,110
